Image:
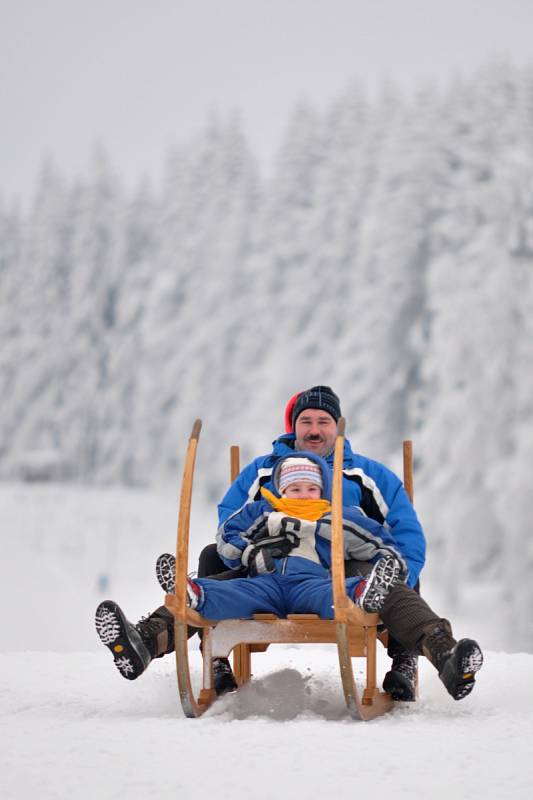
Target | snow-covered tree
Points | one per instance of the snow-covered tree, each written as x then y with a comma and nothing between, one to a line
390,255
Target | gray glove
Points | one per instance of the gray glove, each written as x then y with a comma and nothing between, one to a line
258,560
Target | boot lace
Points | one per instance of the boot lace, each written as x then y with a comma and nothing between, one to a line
440,644
148,627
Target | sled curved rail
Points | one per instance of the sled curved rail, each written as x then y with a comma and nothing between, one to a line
353,631
177,602
373,702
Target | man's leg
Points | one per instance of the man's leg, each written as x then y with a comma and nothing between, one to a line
210,565
400,680
406,615
419,629
134,646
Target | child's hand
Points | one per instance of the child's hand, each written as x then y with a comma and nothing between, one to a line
258,560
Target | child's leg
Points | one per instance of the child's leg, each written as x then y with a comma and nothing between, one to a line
240,598
310,592
314,595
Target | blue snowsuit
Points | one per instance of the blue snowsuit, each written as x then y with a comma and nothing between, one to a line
301,582
367,485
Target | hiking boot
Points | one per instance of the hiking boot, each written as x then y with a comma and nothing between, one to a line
224,678
456,662
130,653
371,592
400,680
157,632
165,569
134,646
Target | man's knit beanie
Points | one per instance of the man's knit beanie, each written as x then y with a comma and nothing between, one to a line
321,397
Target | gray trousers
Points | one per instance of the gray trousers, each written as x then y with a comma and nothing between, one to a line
405,614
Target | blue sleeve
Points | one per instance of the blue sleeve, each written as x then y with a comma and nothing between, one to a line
398,515
365,539
407,532
237,494
235,533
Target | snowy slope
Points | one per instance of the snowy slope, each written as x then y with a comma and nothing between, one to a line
77,729
72,726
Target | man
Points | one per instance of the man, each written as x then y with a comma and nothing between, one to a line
311,420
311,424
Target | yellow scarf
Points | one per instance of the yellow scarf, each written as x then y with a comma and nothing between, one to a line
302,509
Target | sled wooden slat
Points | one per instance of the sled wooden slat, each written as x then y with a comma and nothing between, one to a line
408,468
228,633
194,619
242,657
347,617
353,631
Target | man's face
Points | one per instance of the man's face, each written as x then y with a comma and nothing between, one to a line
315,431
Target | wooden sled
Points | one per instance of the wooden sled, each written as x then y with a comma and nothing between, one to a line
353,631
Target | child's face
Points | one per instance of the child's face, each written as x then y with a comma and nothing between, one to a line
302,490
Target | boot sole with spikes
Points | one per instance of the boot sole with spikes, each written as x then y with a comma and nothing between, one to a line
130,654
459,671
383,577
165,569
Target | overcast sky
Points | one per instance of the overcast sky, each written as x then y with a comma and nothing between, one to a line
138,75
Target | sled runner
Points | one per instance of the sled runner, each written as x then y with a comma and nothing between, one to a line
354,631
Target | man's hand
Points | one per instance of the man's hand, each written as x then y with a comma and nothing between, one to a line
258,560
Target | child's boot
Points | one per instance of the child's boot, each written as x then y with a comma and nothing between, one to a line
372,591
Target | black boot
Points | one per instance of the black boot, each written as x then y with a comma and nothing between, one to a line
400,680
134,646
157,632
456,662
224,678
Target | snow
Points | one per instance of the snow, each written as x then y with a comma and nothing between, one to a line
74,727
77,728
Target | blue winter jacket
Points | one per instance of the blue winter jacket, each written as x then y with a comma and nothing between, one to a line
365,539
367,485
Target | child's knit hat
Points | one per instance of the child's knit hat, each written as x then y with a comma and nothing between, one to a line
298,469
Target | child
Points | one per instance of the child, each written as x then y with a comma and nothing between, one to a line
285,544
